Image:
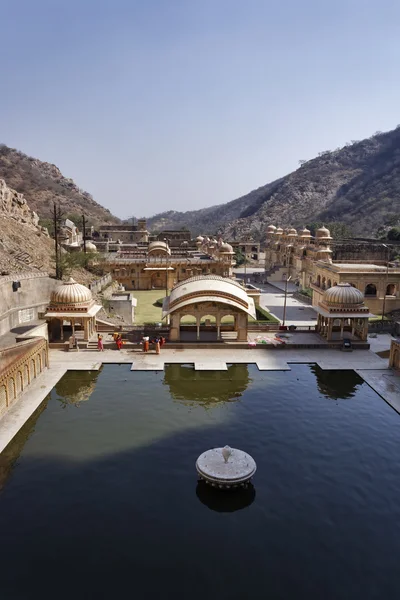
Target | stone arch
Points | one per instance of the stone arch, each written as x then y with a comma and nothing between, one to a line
319,280
188,327
38,364
324,283
370,289
44,359
158,280
329,284
11,390
228,319
335,283
20,383
32,369
3,399
26,375
390,289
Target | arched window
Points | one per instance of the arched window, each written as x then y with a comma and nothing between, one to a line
390,289
323,283
319,281
370,290
329,284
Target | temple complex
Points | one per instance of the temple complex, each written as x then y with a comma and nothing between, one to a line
308,261
161,264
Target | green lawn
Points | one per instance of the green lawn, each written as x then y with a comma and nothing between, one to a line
145,312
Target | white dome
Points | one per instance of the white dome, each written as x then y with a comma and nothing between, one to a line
271,228
226,249
69,293
343,294
159,246
91,247
323,232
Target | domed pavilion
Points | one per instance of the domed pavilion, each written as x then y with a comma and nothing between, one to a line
72,309
343,314
209,300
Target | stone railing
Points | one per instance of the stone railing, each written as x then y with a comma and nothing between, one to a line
99,284
20,365
22,275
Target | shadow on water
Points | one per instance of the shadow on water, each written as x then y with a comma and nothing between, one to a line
225,500
337,384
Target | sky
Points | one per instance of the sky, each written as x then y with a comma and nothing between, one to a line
154,105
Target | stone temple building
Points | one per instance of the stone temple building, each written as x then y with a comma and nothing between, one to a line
308,261
159,265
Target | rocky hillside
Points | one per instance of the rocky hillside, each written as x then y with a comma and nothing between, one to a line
24,246
358,184
41,183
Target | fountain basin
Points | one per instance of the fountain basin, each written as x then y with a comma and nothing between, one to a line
226,468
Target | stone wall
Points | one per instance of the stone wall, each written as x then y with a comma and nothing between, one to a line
23,305
99,284
20,366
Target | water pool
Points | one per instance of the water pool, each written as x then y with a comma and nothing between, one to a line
99,496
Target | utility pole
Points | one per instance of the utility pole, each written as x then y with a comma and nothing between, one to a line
386,282
84,233
284,305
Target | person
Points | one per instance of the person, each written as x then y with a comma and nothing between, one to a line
157,344
76,344
162,341
145,344
100,345
119,341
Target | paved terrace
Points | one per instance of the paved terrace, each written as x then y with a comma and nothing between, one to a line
372,369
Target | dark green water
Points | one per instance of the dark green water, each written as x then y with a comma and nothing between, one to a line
99,496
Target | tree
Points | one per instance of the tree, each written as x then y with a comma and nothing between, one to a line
239,257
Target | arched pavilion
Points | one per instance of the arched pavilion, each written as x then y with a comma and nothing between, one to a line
211,296
72,305
343,314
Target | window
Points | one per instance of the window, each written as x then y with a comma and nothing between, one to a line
370,290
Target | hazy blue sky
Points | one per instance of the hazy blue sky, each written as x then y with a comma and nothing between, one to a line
154,105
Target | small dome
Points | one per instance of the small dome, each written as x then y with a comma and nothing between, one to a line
199,239
343,294
271,228
91,247
305,233
279,231
71,292
292,232
159,246
226,249
323,232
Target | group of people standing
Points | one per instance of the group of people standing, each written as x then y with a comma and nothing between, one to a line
158,343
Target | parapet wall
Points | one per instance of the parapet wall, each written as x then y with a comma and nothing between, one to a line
23,305
20,365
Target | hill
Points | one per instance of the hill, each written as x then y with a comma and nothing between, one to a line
358,184
41,183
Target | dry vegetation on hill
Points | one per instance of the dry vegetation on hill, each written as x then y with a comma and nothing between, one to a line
358,185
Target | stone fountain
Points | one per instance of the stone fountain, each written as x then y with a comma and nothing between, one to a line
226,468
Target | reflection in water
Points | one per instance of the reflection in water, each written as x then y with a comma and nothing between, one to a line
11,453
225,500
206,388
76,387
337,385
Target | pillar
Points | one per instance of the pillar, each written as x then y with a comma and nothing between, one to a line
197,328
174,332
218,324
62,330
73,326
341,328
